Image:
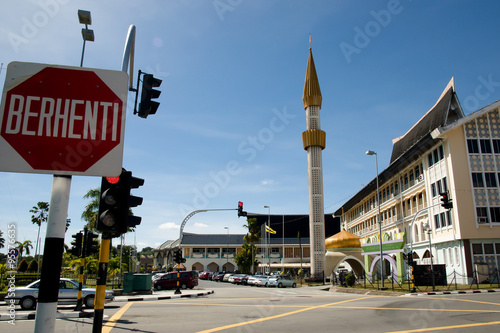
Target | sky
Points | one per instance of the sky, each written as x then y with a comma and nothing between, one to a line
230,122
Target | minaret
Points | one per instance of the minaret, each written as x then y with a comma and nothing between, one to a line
314,140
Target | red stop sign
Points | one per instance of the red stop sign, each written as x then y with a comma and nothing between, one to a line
63,119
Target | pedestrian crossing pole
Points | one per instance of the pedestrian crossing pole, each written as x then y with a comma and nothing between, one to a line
101,284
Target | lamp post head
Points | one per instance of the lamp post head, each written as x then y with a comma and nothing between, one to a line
267,207
370,152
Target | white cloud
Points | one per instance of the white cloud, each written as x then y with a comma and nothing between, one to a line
168,226
201,225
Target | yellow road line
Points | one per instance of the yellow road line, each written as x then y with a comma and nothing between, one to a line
448,327
279,316
106,328
410,309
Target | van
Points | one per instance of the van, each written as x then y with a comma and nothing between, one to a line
187,279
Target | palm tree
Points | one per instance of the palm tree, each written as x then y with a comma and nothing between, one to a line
252,237
26,245
40,215
91,211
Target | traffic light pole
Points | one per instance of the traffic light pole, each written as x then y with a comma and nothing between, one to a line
79,301
45,318
100,290
413,289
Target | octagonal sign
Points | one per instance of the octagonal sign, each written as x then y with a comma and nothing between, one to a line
62,120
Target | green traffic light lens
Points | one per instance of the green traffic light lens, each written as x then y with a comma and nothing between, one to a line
108,219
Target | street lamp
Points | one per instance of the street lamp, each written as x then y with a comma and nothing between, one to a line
427,227
371,152
87,34
227,249
268,237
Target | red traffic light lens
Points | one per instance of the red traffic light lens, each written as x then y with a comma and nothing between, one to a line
113,180
240,204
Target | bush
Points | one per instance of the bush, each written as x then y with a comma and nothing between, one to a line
33,266
23,266
350,279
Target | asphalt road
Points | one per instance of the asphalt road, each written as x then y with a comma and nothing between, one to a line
251,309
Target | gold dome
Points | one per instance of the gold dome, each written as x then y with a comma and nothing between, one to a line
341,240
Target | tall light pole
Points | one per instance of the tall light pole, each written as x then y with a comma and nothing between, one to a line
371,152
268,237
87,34
227,249
427,227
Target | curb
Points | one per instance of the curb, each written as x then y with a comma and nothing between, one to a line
90,314
159,298
454,292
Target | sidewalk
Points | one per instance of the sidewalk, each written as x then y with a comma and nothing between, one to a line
89,313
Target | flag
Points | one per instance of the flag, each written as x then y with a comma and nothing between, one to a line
268,229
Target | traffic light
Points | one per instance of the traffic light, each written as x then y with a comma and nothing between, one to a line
178,256
240,209
129,183
147,106
115,203
409,257
76,248
445,200
91,243
111,206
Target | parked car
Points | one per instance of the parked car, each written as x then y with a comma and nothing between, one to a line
204,276
240,279
227,276
262,281
187,279
27,297
217,277
281,281
253,279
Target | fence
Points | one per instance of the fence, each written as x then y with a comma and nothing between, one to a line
403,283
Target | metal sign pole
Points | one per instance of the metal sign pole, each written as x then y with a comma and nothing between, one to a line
52,254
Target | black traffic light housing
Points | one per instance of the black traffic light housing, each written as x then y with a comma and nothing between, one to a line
445,200
178,256
147,106
76,248
240,209
91,243
409,257
114,217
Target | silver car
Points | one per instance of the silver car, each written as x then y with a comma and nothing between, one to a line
27,296
281,281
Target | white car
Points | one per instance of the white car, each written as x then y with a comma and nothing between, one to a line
261,281
281,281
27,296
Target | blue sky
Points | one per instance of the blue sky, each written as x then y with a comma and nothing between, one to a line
231,116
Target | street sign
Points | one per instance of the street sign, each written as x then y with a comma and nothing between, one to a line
62,120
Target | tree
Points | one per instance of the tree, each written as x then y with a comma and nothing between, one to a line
40,215
91,211
21,247
244,258
252,237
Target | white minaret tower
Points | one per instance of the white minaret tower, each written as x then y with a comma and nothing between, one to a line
314,140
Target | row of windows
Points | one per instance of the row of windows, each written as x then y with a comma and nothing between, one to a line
490,179
442,220
436,156
439,187
483,217
389,191
486,145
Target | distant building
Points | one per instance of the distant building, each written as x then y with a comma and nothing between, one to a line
215,252
445,151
